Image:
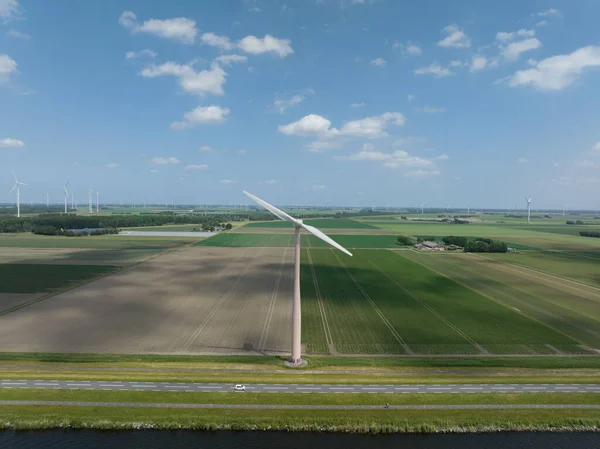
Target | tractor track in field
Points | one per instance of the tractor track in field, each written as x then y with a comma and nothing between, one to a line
326,328
456,329
381,315
265,331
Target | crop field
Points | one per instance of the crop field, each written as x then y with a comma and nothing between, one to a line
17,278
306,240
92,242
325,223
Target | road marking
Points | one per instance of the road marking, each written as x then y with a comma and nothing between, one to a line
309,388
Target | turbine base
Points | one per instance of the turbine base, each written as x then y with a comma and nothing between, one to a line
299,363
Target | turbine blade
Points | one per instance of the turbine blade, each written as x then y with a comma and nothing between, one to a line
278,213
314,231
14,187
15,176
23,184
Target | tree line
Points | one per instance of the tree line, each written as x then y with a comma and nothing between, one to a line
476,245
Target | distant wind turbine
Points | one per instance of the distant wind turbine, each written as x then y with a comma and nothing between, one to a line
66,194
47,199
296,359
17,186
90,207
528,209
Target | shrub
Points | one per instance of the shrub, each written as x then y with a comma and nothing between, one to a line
453,240
403,240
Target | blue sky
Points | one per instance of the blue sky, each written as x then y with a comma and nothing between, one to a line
303,101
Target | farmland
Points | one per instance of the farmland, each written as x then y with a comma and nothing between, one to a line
287,240
325,223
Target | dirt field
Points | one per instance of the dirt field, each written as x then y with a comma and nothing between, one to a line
194,300
9,300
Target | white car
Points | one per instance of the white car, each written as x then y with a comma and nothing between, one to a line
240,388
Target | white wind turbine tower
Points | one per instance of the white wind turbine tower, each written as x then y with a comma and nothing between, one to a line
66,195
47,200
90,207
296,359
17,187
528,209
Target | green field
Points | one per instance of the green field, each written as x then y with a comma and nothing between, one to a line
310,241
30,278
325,223
102,242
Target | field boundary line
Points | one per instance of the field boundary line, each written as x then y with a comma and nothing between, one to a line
117,269
216,307
321,305
389,325
502,303
556,278
432,310
263,337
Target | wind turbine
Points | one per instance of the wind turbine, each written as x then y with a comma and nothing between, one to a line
528,209
17,186
296,359
90,209
47,199
66,194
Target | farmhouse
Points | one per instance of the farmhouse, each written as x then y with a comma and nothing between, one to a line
430,246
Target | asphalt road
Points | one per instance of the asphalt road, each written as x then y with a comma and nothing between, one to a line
304,407
301,388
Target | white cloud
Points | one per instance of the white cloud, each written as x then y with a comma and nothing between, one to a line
179,28
455,38
268,44
522,160
321,145
503,36
442,157
17,34
145,52
196,167
202,115
281,104
11,143
9,9
368,147
431,109
112,165
164,160
319,186
365,156
310,125
231,59
252,5
595,149
269,182
434,69
515,49
8,67
407,48
458,64
410,97
585,164
422,173
379,62
201,83
241,152
357,105
372,127
396,159
207,149
227,181
214,40
154,170
541,23
549,12
557,72
478,63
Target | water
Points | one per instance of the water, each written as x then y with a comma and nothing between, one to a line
91,439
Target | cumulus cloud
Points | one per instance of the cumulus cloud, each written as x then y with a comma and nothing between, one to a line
281,104
379,62
549,12
11,143
395,159
207,149
595,150
179,28
164,160
434,69
324,144
268,44
503,36
513,50
455,38
227,181
310,125
407,48
203,82
112,165
557,72
228,60
139,54
202,115
372,127
9,10
478,63
442,157
214,40
8,67
422,173
196,167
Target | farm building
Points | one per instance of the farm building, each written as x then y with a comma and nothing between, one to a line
430,246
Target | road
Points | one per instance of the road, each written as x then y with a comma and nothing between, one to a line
304,407
301,388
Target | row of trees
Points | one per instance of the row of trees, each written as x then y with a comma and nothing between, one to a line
51,230
578,222
481,245
589,234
